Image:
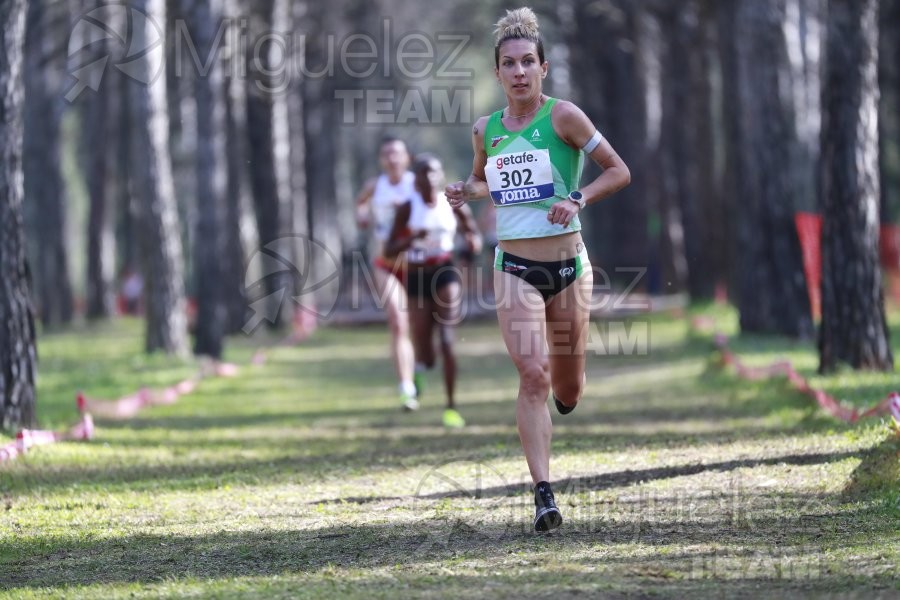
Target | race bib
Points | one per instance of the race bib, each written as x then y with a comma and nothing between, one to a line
423,249
520,177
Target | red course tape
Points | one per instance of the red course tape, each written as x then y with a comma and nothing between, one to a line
890,405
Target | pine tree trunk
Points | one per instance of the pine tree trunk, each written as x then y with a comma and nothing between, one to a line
678,149
773,296
296,111
716,207
889,110
18,354
854,329
204,17
160,240
269,156
44,188
100,111
319,127
613,95
237,198
732,174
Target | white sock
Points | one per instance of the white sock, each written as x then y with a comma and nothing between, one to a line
408,388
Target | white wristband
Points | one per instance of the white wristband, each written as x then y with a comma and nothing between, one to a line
593,142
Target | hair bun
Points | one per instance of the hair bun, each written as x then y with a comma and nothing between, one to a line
518,23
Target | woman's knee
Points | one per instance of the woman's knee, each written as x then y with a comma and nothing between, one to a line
534,379
569,392
398,325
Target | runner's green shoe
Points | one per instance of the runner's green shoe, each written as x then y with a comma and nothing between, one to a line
419,381
453,420
410,403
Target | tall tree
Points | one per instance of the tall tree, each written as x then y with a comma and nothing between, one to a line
18,353
161,252
45,62
715,207
319,127
268,148
614,96
854,329
772,296
237,194
204,18
889,110
689,142
99,111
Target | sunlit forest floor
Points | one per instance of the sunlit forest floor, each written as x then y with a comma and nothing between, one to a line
302,478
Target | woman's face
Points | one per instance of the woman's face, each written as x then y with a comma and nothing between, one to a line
430,177
520,71
394,158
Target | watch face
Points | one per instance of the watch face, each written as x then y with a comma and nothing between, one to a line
577,196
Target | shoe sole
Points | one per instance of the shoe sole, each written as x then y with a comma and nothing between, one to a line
547,520
562,408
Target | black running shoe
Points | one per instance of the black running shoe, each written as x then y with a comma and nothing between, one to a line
562,408
546,514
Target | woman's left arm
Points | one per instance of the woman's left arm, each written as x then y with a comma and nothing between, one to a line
469,228
575,128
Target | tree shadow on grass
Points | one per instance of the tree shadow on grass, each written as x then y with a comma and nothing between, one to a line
620,479
324,460
310,549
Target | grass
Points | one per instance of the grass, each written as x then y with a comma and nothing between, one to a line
301,478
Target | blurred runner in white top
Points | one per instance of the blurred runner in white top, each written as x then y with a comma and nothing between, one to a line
375,208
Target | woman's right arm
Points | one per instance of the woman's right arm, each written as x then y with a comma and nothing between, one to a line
363,209
399,240
475,186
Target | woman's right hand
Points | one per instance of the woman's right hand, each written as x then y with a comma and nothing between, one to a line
457,194
362,217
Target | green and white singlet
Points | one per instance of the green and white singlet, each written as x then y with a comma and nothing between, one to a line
527,172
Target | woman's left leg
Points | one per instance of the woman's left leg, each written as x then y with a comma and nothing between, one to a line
447,305
568,320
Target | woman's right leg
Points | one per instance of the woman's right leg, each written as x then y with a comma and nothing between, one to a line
392,290
520,311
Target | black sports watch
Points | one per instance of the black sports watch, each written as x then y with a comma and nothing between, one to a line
578,198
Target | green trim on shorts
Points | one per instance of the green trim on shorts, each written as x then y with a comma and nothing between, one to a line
580,264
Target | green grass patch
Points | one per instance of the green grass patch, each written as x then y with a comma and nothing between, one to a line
302,478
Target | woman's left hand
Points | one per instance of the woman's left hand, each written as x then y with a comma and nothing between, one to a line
563,212
474,243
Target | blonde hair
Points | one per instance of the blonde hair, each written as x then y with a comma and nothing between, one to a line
518,24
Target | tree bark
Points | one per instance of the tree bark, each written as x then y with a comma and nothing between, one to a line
614,96
889,110
153,187
204,18
772,296
44,187
99,111
18,351
269,158
691,148
319,127
237,198
854,329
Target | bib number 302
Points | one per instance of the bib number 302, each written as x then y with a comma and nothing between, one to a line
520,177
